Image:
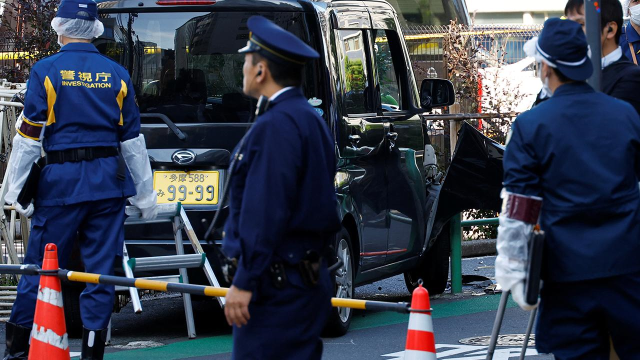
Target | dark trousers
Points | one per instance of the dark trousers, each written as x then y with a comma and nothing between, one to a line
576,319
98,226
285,323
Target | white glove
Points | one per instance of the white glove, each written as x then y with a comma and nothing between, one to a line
23,154
151,212
517,292
25,212
134,152
513,252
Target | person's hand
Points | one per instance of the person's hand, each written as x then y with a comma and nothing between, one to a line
26,212
517,292
236,308
149,213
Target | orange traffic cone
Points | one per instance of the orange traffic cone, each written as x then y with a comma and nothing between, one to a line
421,344
49,334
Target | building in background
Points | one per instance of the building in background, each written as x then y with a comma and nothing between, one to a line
514,12
521,12
430,12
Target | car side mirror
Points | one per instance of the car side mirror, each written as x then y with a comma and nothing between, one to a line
436,93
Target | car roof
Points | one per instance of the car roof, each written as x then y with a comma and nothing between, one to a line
151,5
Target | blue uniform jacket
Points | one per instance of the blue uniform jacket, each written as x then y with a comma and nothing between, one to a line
83,99
282,189
630,35
580,152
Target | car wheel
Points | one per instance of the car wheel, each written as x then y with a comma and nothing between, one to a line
71,301
434,268
340,318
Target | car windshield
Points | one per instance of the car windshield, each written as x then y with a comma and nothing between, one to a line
185,65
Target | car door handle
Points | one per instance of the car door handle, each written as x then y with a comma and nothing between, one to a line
354,140
392,137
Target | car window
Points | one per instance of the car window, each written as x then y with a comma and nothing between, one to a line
354,72
386,73
185,65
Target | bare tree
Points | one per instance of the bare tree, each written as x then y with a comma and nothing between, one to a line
27,25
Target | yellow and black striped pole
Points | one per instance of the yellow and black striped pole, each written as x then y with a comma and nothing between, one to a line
164,286
211,290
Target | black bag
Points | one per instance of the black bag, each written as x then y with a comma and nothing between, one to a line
30,189
534,268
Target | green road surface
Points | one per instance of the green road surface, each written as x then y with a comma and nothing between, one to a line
361,320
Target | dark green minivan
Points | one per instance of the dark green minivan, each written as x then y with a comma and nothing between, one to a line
183,60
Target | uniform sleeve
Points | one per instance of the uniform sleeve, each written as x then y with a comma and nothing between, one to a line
271,183
36,105
27,145
521,168
130,126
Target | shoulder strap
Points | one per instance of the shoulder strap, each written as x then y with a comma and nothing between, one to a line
633,53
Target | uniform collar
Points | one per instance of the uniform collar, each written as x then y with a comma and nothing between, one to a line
578,87
274,96
285,94
79,47
614,56
630,33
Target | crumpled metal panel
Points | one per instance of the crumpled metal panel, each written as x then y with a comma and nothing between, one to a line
474,178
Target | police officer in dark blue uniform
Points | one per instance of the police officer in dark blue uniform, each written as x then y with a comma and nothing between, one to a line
577,155
283,208
80,108
630,39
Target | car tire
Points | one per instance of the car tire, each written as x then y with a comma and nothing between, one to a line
71,301
434,267
340,318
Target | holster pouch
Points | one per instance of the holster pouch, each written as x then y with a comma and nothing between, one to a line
309,268
29,190
278,275
229,268
122,167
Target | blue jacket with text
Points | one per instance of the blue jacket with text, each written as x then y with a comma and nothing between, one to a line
79,98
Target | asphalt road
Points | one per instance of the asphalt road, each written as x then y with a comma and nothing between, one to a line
160,331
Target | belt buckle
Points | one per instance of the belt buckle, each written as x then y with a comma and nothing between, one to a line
80,154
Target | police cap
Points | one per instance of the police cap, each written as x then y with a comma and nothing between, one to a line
78,9
276,44
563,45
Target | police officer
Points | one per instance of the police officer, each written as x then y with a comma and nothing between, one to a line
630,39
577,158
80,107
282,207
620,77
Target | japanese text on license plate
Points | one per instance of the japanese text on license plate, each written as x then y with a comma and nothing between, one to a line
195,187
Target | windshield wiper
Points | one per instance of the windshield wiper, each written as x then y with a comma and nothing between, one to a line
182,136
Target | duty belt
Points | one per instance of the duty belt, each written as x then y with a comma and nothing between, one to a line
80,154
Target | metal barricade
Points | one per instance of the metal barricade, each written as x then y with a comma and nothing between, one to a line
12,248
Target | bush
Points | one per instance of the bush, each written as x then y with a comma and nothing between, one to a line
464,58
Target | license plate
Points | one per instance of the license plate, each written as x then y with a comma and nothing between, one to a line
189,188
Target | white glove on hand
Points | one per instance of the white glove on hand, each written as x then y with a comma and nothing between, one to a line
149,213
517,292
25,212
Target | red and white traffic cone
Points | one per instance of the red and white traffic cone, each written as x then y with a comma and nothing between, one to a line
49,334
421,344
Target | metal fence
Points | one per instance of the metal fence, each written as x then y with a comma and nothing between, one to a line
14,228
491,44
12,61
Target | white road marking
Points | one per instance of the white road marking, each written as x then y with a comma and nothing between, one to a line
468,352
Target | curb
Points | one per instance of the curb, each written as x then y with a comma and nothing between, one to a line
473,248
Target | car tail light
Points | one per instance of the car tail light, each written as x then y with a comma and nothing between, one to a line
185,2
